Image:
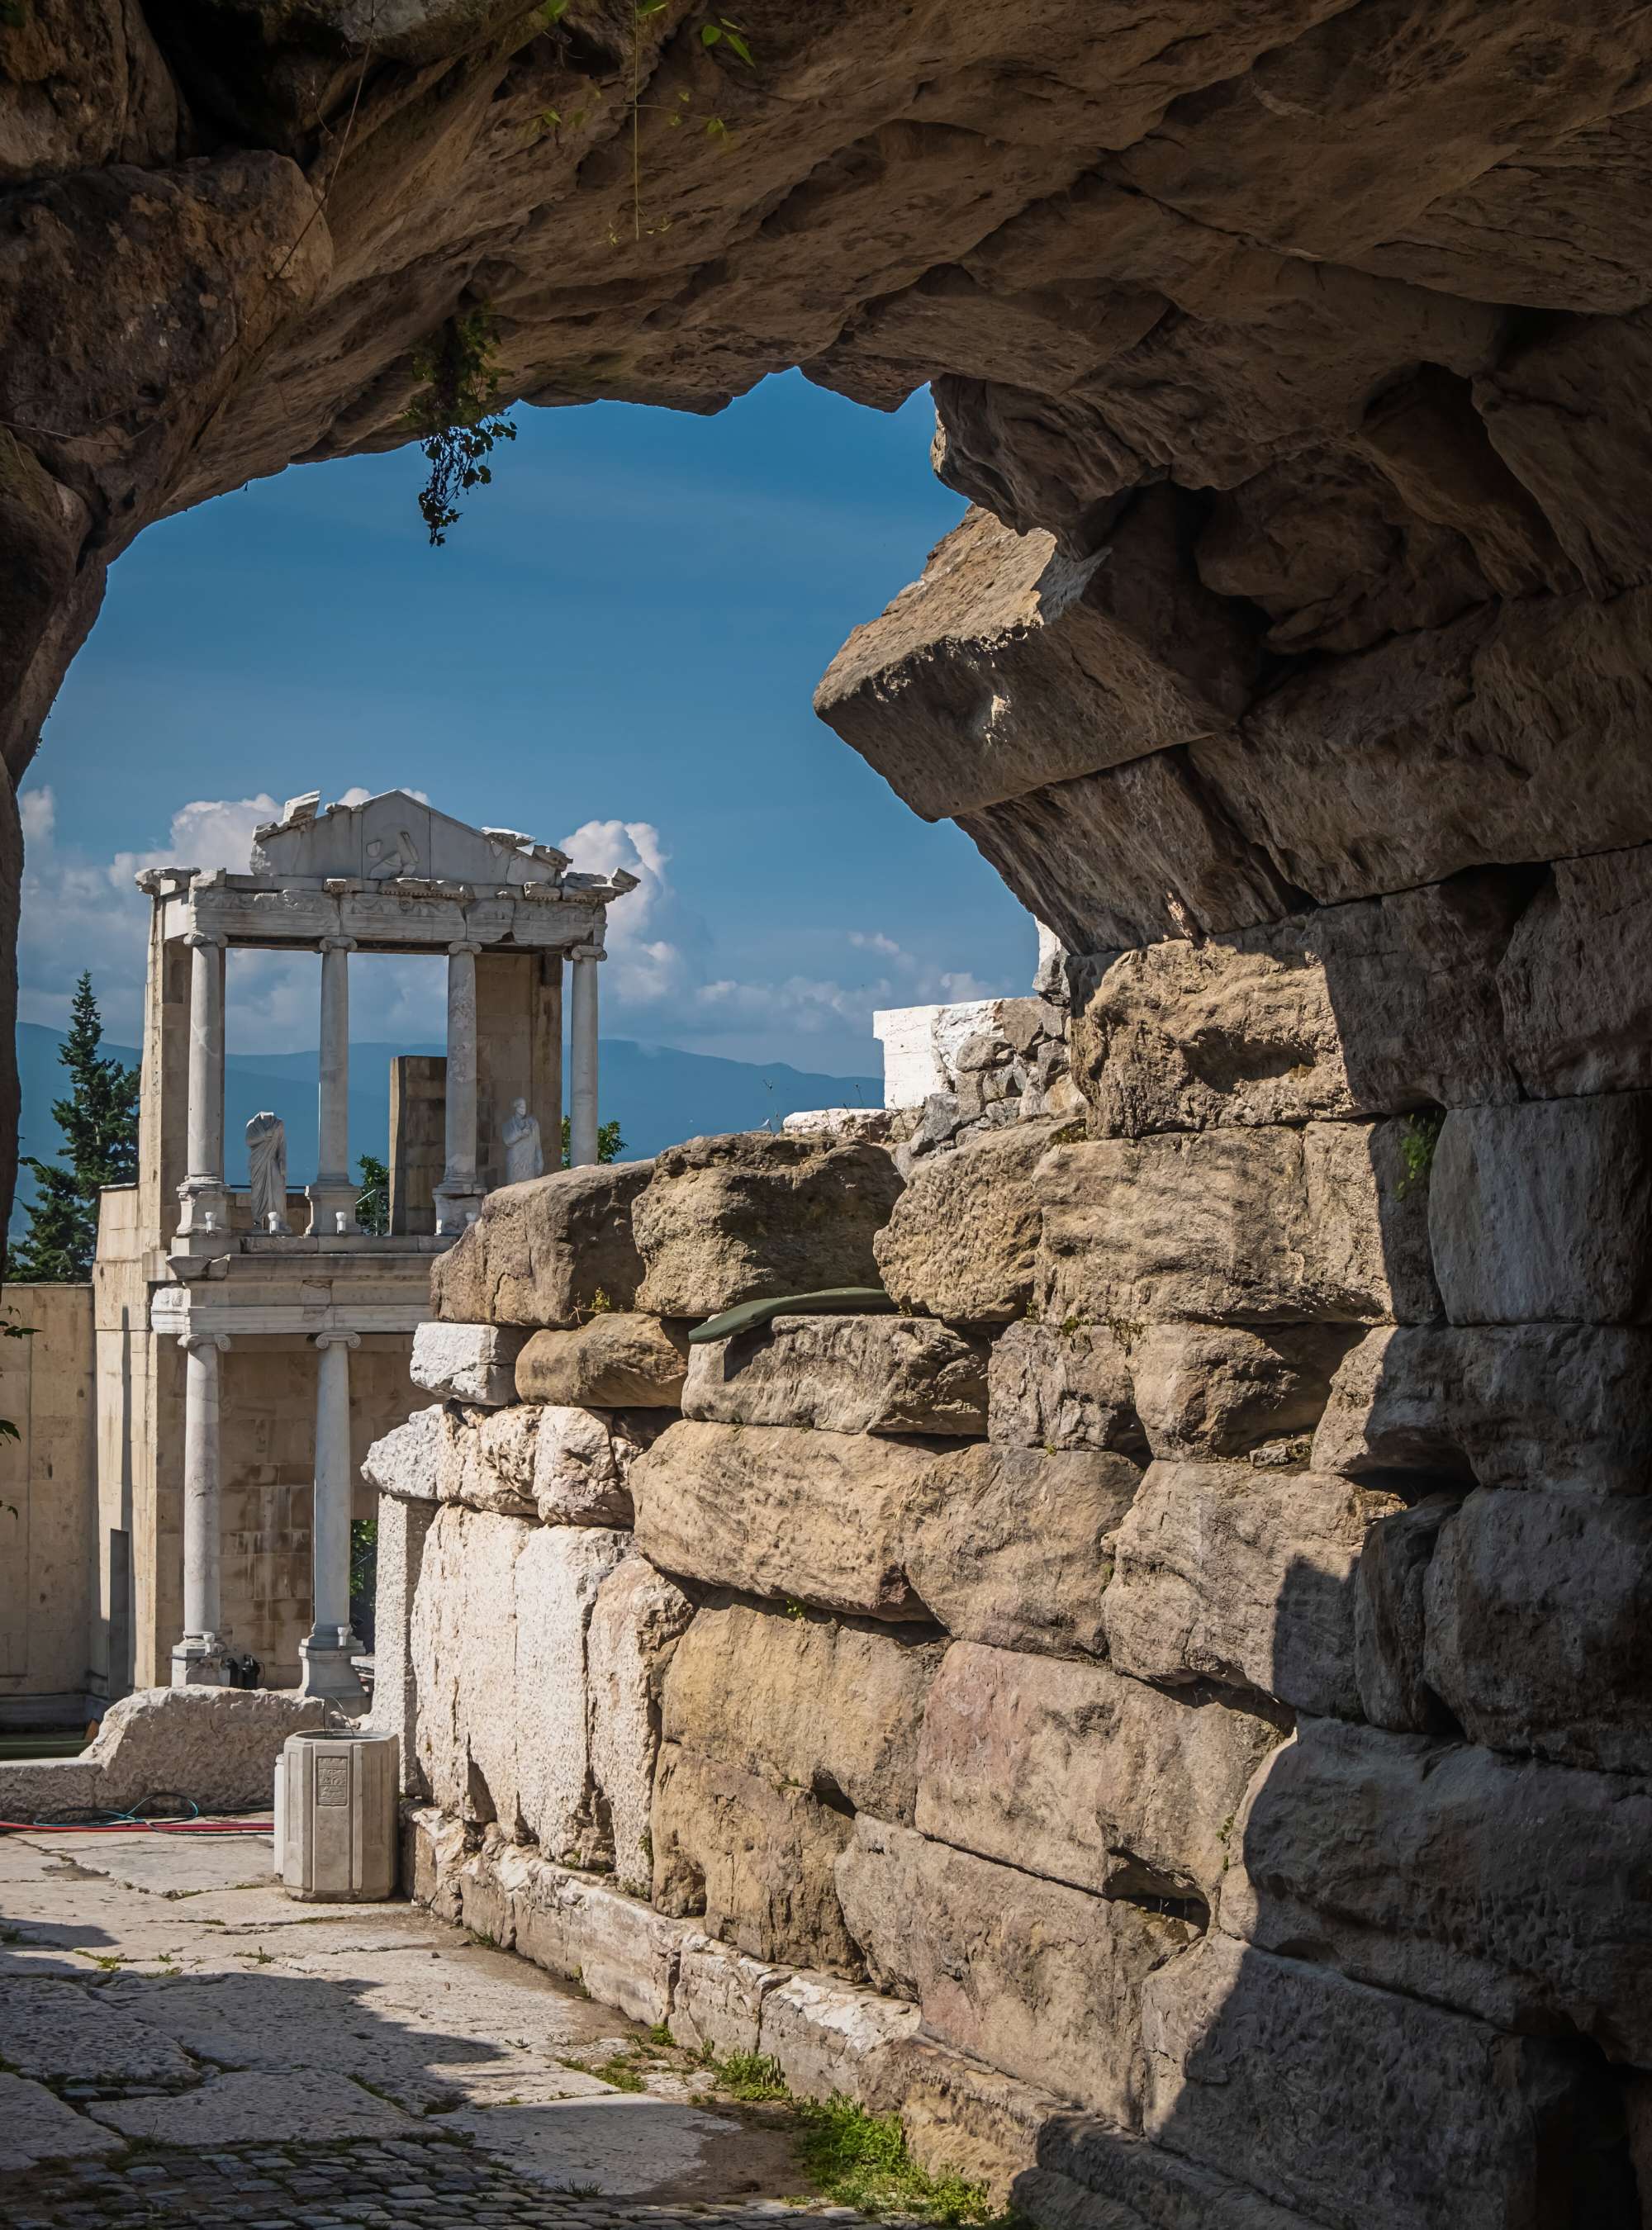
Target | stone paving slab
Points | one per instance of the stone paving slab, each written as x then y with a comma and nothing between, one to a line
173,1866
54,2030
237,2109
36,2126
228,2056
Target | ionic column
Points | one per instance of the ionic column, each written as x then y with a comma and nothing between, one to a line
331,1643
332,1194
458,1197
582,1052
203,1192
197,1658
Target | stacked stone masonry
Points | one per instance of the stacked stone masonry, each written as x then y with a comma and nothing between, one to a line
1192,1654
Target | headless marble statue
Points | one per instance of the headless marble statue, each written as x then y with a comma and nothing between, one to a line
267,1163
524,1156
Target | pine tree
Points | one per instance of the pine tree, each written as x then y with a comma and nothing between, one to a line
98,1123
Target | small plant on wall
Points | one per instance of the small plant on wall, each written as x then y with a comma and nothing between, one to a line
456,414
713,31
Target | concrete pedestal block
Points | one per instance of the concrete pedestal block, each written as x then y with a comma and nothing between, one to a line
336,1821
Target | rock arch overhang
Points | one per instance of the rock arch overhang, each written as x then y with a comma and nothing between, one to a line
1294,353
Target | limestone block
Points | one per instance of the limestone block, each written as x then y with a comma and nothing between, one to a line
871,1374
547,1252
1520,1405
1361,1009
485,1458
582,1460
1543,1212
616,1361
404,1463
753,1217
1049,1386
1502,1886
814,1703
1206,1390
1031,1976
963,1240
635,1623
1071,1771
1388,1618
467,1361
1229,2031
499,1620
717,2003
1017,1555
1574,979
753,1858
876,1125
623,1953
1010,664
215,1746
1225,1572
959,2118
1511,735
35,2126
1001,1546
824,2035
1304,1225
1094,2175
403,1530
820,1517
1135,853
1537,1608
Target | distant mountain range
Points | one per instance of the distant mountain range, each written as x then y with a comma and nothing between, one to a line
658,1093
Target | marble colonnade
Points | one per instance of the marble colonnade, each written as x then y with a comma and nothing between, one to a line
389,875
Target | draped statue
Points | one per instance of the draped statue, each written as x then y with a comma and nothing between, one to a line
267,1163
524,1156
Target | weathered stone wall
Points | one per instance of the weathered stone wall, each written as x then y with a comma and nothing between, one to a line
1302,340
47,1514
1188,1661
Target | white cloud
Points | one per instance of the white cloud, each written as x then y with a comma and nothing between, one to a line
84,913
662,982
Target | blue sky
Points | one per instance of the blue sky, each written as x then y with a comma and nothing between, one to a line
618,643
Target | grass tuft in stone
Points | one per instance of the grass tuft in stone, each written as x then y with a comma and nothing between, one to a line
618,2070
857,2159
748,2075
860,2160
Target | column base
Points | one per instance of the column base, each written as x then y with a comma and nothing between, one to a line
198,1662
328,1202
201,1198
454,1209
328,1671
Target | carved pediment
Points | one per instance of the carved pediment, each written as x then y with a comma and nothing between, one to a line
397,838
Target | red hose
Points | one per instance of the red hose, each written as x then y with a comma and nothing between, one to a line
139,1827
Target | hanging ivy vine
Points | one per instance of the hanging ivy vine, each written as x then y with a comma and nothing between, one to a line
456,415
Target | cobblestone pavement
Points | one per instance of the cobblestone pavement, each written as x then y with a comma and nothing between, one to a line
397,2185
180,2043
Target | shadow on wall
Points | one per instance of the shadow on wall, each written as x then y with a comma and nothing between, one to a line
1426,1994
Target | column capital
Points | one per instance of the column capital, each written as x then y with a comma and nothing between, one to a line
336,1339
338,944
198,940
587,952
464,944
217,1339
